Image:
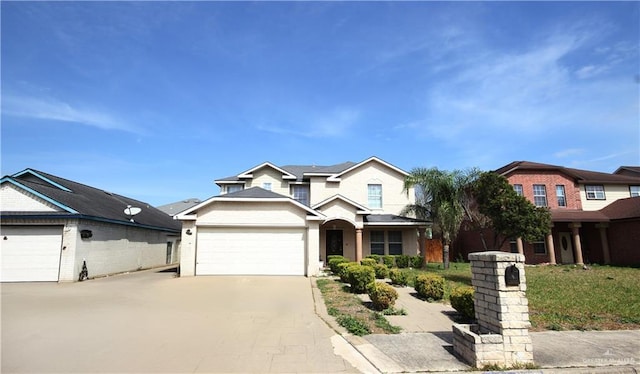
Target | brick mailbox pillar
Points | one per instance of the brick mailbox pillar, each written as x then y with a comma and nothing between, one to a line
501,335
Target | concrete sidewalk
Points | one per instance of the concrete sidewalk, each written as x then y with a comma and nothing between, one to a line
426,344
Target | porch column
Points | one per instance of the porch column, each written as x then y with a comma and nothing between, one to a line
551,249
605,242
358,245
519,245
577,246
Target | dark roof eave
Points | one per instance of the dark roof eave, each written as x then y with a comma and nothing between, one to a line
9,215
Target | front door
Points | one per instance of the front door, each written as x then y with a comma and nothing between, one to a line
566,248
334,242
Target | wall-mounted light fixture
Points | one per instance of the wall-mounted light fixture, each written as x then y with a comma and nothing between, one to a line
188,232
86,234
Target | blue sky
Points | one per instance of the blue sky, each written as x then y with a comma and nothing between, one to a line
155,100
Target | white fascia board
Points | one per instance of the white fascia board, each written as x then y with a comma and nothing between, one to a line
249,173
361,209
185,215
336,177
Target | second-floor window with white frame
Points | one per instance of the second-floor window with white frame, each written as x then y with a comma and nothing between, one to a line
374,192
634,190
266,186
595,192
300,193
233,188
539,195
562,199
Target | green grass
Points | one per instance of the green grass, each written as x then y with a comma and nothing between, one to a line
568,297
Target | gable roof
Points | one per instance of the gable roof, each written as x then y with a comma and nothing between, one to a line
300,172
361,208
578,175
628,170
174,208
249,195
81,201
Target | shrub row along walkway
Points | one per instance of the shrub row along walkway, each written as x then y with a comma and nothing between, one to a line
426,343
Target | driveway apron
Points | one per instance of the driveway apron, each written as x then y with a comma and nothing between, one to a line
154,322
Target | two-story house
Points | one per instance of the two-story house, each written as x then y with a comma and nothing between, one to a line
595,216
283,220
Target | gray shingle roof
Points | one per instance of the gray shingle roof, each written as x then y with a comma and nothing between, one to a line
390,219
91,202
177,207
300,170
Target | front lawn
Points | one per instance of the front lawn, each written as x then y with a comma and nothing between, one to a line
567,297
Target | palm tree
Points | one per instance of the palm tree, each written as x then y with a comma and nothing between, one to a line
441,196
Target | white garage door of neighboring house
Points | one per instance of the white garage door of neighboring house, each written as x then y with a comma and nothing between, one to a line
30,253
250,251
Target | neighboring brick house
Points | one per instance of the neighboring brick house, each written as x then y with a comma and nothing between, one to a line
51,226
282,220
587,208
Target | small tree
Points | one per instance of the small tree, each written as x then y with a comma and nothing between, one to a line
510,214
441,197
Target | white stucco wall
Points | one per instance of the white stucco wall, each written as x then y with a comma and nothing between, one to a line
269,175
13,199
353,185
223,213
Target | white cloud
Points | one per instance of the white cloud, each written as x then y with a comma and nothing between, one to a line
55,110
569,152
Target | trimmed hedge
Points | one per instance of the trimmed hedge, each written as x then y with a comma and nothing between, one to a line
398,277
462,300
430,286
389,260
368,262
334,261
402,261
382,271
360,277
343,270
377,258
382,295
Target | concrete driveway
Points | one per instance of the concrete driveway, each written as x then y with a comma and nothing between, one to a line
154,322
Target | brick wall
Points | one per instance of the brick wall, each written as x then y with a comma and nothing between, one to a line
550,179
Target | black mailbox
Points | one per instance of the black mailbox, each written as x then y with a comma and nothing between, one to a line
512,276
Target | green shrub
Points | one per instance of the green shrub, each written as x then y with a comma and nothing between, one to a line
368,262
398,277
462,300
382,271
402,261
416,262
382,295
333,263
375,257
389,260
343,272
430,286
360,277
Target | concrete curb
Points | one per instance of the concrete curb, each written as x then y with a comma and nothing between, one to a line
582,370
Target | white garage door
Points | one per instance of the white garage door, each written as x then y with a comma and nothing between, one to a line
30,253
250,251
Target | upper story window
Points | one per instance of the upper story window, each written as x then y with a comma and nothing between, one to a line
540,195
266,186
231,188
634,190
562,199
518,189
300,193
595,192
375,196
